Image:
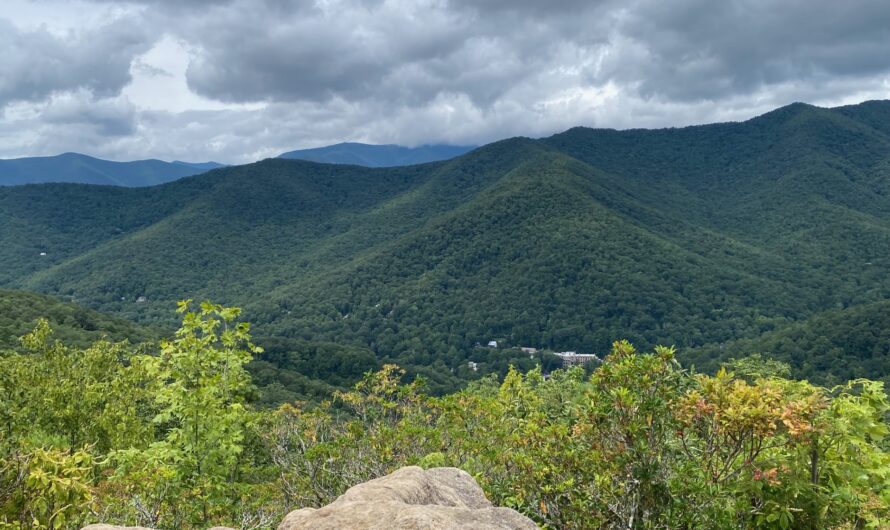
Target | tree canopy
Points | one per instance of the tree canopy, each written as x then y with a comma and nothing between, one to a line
167,439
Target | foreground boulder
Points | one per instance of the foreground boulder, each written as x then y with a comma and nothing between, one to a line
411,499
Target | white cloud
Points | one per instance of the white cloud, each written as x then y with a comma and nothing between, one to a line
159,80
236,80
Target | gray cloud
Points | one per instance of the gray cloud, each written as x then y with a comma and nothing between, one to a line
315,53
37,63
403,52
77,121
423,71
409,53
105,117
695,49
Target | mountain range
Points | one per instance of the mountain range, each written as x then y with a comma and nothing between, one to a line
378,155
702,237
83,169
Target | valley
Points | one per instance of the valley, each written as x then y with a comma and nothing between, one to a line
702,237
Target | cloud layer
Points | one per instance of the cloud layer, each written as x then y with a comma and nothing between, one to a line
235,80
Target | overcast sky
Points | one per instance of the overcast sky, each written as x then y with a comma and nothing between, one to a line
239,80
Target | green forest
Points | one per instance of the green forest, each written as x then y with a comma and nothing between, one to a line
72,324
827,348
170,439
714,239
742,269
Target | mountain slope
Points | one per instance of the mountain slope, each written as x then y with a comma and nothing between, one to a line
694,237
286,371
829,348
378,155
73,325
82,169
539,247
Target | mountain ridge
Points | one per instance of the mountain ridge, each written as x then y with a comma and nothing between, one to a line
78,168
694,236
378,155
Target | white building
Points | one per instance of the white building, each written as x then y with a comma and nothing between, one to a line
571,358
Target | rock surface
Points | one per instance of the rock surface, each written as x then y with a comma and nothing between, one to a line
411,499
443,498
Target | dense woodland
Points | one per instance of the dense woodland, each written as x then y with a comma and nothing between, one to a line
703,238
756,252
828,348
168,440
71,324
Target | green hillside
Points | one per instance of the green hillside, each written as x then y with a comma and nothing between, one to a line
828,348
695,236
286,371
74,325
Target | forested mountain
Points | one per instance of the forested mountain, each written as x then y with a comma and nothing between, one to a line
827,348
83,169
369,155
286,371
74,325
697,237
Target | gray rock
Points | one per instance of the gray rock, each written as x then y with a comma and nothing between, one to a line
411,499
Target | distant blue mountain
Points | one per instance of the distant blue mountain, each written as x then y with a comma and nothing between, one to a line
83,169
203,166
378,155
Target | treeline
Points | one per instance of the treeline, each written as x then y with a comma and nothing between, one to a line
828,348
74,325
110,434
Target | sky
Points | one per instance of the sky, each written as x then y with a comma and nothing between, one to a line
240,80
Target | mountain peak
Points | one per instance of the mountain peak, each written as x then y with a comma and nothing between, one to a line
787,112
